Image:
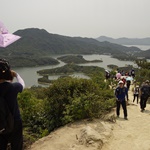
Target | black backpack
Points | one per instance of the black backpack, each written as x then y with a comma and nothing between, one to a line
128,82
137,89
145,91
6,117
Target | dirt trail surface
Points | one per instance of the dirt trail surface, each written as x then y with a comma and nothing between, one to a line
131,134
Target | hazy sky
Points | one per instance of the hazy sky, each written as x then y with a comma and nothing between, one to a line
85,18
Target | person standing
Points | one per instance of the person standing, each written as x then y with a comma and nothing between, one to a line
11,90
133,73
144,95
136,93
124,80
107,74
121,94
128,83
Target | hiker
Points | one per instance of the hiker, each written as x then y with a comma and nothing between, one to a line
136,93
128,83
121,93
124,80
133,73
107,74
122,73
11,90
144,95
127,74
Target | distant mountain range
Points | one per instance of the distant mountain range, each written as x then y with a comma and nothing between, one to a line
37,46
125,41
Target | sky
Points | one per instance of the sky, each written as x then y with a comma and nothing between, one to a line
84,18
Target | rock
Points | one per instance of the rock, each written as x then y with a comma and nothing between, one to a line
110,118
93,136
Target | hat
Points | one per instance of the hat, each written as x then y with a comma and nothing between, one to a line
147,81
120,82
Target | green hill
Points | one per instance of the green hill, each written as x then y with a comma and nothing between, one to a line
37,45
145,54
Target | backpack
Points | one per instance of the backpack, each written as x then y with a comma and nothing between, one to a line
128,82
145,91
137,90
132,72
6,117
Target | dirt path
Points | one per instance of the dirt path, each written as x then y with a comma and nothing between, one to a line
133,134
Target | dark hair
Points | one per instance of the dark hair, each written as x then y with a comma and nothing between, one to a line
5,72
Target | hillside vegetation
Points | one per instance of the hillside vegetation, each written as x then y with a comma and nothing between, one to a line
143,73
37,45
145,54
66,100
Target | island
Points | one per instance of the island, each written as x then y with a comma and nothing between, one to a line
111,66
67,70
77,59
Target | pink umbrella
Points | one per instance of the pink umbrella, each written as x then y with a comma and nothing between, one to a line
3,29
118,75
5,37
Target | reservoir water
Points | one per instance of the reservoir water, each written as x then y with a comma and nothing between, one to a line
30,76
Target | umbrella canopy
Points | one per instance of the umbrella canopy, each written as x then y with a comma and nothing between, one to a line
129,78
106,71
118,75
3,29
5,37
123,77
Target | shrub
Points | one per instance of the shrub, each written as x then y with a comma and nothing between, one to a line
32,112
71,99
66,100
142,75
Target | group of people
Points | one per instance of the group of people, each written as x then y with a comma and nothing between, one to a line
127,73
121,93
120,74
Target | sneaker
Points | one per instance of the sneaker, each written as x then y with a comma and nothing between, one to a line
142,110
